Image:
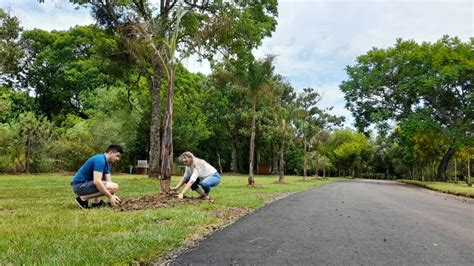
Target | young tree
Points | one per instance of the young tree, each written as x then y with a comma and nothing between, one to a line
286,108
312,121
254,78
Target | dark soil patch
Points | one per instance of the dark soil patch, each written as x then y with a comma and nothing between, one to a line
232,214
155,202
254,186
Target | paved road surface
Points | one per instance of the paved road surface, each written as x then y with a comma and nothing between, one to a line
353,222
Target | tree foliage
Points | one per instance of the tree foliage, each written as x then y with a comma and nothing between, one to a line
433,80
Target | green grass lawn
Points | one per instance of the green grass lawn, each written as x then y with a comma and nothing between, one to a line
41,224
460,189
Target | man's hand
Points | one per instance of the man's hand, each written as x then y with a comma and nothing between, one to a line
115,200
180,196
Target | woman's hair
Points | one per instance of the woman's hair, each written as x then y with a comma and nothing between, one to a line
186,154
197,163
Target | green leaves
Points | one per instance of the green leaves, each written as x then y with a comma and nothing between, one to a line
426,88
10,46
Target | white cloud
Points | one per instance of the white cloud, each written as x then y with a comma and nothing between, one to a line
50,15
316,40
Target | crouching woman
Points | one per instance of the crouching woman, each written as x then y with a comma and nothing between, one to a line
199,176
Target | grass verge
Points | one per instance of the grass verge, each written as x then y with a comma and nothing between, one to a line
41,224
460,189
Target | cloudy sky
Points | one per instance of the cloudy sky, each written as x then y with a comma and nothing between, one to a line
315,39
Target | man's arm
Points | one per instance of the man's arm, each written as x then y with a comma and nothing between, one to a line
100,186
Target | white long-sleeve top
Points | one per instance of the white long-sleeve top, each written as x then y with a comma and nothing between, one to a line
199,169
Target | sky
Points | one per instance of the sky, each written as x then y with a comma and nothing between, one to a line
314,40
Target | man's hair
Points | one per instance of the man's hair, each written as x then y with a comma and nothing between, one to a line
114,148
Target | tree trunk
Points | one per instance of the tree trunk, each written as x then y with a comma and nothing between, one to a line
441,175
468,178
275,156
305,162
281,179
28,152
167,146
233,156
422,175
455,171
219,163
316,166
154,87
257,153
324,172
251,180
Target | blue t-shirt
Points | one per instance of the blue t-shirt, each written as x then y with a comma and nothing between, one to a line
96,163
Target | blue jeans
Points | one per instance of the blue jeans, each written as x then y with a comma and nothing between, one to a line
206,183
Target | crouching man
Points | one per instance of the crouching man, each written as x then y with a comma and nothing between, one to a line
93,179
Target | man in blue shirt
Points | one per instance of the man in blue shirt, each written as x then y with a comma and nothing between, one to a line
93,179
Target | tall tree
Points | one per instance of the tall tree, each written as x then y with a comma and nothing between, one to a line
254,77
209,27
285,111
312,121
435,78
11,51
61,65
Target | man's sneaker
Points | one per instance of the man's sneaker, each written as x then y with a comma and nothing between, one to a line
84,204
99,204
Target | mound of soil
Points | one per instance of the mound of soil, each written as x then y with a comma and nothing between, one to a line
156,201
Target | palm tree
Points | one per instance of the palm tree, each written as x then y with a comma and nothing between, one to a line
254,78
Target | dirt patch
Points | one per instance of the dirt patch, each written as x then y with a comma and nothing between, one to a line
156,202
253,186
232,214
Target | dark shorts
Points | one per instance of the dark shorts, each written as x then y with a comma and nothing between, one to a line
86,188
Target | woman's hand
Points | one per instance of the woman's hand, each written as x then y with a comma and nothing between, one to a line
180,196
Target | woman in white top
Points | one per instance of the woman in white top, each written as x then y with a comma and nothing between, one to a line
200,176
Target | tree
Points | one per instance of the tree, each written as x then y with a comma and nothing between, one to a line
209,27
62,65
423,139
348,151
11,51
434,78
25,142
285,110
254,78
312,121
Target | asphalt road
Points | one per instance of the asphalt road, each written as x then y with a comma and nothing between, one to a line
354,222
